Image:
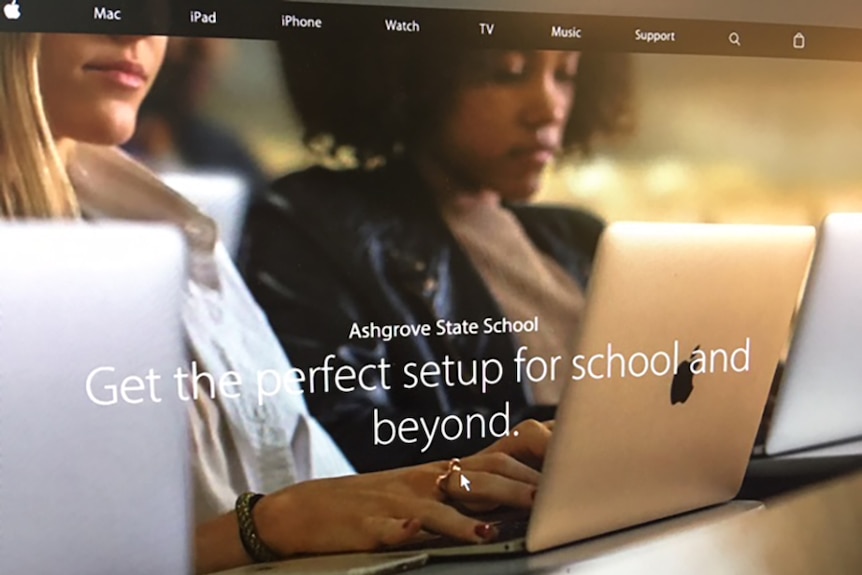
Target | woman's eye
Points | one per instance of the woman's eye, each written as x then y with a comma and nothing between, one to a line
567,76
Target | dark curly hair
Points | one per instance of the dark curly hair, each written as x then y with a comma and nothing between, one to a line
374,99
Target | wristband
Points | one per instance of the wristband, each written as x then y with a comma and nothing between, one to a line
254,547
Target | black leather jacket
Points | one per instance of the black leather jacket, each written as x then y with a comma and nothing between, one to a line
327,250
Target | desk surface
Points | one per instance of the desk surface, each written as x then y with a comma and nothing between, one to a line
818,531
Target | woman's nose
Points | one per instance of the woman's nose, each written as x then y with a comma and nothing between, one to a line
547,103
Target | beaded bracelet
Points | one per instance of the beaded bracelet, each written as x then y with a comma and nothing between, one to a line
254,547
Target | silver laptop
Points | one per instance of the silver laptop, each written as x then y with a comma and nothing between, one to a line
819,399
93,471
683,328
222,196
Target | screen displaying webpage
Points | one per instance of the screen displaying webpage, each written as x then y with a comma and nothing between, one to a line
330,280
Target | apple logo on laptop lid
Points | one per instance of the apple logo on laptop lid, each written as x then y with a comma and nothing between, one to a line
683,380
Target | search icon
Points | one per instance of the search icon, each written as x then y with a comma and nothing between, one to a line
734,39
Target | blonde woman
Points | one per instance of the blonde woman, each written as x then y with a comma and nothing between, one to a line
66,101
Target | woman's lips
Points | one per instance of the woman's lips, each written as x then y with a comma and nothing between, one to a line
537,155
123,73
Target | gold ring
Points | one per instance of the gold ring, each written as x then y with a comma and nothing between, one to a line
454,467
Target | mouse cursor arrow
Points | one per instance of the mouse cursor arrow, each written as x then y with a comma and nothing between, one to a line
465,483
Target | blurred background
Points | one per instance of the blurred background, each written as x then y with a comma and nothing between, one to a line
718,139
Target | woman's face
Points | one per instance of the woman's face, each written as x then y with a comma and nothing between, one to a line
507,121
93,85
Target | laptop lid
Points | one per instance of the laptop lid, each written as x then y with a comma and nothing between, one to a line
93,478
818,401
683,329
222,196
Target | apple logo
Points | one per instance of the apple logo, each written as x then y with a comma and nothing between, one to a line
12,11
682,384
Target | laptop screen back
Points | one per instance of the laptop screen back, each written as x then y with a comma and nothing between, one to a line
93,471
819,398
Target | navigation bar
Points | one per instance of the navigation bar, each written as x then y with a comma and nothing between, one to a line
837,13
352,24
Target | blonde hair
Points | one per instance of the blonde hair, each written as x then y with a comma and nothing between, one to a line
33,179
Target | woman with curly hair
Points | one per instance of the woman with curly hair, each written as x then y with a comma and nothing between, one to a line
431,227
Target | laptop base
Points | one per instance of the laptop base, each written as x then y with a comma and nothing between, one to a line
770,476
437,549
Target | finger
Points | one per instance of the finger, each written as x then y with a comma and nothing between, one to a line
549,424
529,442
446,520
389,532
482,487
502,464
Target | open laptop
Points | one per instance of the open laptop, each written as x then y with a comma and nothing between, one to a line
223,196
87,487
674,432
819,397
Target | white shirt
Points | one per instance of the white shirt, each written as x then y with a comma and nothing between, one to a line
243,444
240,444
